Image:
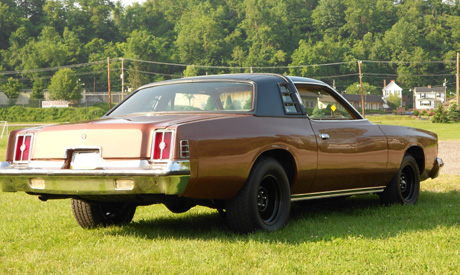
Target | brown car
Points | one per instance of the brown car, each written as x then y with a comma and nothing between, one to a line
245,144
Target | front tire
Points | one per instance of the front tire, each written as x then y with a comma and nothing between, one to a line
264,201
92,215
404,188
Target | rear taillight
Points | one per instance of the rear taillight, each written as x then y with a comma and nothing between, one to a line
163,141
23,148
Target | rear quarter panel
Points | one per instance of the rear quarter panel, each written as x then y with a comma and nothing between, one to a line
401,138
223,151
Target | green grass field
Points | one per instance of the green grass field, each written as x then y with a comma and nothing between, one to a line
356,235
445,131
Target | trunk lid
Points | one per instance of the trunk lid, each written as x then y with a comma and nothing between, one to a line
118,138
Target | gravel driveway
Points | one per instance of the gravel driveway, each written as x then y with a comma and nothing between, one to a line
449,151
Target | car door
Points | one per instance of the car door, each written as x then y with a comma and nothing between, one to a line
352,152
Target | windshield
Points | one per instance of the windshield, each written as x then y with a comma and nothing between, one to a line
190,97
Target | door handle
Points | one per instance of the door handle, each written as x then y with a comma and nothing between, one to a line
324,136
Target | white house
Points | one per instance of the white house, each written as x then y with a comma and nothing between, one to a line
392,89
427,98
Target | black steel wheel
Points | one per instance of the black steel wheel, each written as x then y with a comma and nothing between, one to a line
92,215
264,201
404,188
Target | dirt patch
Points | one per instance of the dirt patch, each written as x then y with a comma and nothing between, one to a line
449,151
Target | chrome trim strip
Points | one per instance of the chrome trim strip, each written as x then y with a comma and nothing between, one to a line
115,168
338,193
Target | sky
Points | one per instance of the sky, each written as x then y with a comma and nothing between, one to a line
129,2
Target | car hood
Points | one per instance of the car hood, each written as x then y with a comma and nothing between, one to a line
117,137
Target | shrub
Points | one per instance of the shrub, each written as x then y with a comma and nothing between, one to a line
440,115
21,114
416,112
453,113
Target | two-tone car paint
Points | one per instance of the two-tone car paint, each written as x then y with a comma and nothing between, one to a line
321,158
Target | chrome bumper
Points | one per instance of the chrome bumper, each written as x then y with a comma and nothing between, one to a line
113,178
438,163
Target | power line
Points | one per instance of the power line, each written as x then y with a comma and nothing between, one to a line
414,62
232,68
152,73
51,68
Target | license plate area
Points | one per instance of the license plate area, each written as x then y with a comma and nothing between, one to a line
88,159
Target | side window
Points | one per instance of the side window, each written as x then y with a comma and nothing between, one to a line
321,105
290,104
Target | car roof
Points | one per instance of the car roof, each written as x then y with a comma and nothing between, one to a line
255,77
268,99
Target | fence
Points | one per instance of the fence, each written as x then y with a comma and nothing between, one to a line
88,99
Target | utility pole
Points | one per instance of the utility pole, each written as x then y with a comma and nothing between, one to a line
108,82
361,86
122,80
458,84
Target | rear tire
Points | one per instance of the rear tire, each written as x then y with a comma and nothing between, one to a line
92,215
264,201
404,188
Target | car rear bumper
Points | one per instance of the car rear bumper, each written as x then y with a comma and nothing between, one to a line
115,178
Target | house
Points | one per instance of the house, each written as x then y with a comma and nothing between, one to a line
371,102
392,89
427,98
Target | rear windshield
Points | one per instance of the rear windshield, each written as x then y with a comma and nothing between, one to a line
190,97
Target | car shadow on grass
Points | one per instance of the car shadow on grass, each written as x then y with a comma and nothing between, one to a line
354,217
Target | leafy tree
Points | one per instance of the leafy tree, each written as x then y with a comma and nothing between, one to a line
364,16
367,89
190,71
329,16
64,86
11,88
200,35
403,37
10,20
321,52
141,45
38,89
394,101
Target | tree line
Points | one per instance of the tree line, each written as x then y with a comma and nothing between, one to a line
398,39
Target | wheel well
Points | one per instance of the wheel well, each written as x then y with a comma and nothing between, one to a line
418,155
285,159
